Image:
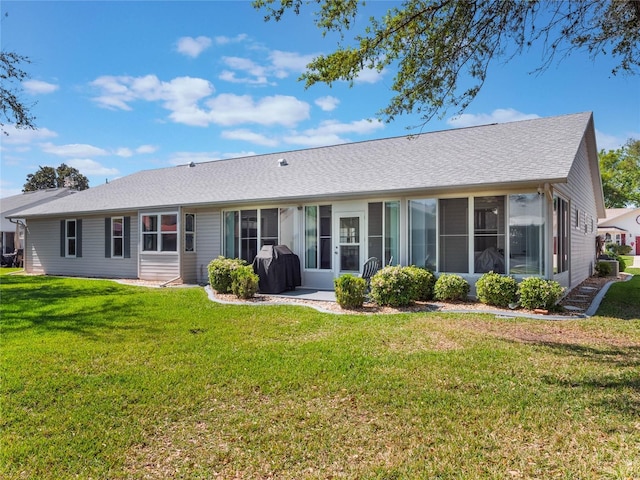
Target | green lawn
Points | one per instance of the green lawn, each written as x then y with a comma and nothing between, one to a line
104,381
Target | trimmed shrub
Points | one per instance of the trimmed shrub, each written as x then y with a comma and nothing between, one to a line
603,269
350,290
616,249
536,292
422,283
622,264
495,289
392,286
220,273
450,286
244,282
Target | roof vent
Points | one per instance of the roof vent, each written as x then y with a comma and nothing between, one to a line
282,162
192,164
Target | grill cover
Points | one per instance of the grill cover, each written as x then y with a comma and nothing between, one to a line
278,269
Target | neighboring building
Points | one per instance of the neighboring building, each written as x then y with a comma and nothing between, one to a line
621,226
13,232
521,198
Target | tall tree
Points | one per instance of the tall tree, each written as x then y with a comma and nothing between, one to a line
620,172
436,46
63,176
12,109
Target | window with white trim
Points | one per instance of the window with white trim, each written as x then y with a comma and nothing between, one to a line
190,232
117,237
317,237
560,235
384,231
160,232
247,231
70,238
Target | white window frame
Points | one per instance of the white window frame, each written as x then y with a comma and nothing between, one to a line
259,238
67,238
159,234
115,237
191,232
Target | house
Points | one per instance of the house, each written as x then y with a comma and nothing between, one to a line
13,231
621,226
520,198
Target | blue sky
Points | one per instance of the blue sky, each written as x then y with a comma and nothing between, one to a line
119,87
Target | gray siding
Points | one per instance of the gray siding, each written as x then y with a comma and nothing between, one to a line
208,241
582,237
43,250
159,266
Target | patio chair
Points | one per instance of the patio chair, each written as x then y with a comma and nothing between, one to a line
369,269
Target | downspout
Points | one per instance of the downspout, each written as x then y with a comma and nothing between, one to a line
170,281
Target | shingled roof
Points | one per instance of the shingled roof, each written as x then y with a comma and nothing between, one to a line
518,153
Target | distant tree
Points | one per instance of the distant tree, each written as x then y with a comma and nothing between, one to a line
441,49
63,176
620,172
12,109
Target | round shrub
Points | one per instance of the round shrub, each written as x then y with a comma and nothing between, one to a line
350,290
392,286
244,282
495,289
422,283
220,273
536,292
450,286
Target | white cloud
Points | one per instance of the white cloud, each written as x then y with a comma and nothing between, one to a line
284,63
73,150
249,136
613,142
370,75
331,132
327,103
280,65
182,97
90,167
124,152
192,47
257,75
22,136
146,149
35,87
500,115
228,109
222,40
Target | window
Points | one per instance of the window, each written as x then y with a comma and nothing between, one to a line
190,232
384,231
454,235
71,239
231,234
422,228
317,236
526,234
488,234
117,237
560,235
268,226
160,233
246,231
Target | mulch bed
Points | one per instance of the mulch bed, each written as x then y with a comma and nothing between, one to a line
577,300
